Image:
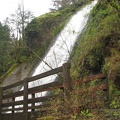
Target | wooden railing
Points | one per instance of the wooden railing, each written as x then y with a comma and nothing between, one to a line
9,110
11,107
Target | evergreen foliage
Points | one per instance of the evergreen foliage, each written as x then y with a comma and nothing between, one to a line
4,47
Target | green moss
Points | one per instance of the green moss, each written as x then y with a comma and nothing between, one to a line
10,70
43,29
98,48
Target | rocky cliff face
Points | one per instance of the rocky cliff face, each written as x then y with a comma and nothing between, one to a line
20,73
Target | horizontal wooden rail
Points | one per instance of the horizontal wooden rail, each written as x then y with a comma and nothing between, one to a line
48,73
29,108
42,88
13,85
35,100
46,87
92,89
13,95
43,99
42,75
12,103
88,79
12,109
39,106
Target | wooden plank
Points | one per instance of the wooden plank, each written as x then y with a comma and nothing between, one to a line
67,79
1,94
25,105
39,106
43,99
88,79
12,95
12,109
45,74
46,87
13,85
93,89
12,103
48,73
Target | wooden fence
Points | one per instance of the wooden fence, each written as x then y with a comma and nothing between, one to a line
8,110
29,110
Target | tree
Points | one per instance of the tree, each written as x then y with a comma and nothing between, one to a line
4,43
62,3
19,21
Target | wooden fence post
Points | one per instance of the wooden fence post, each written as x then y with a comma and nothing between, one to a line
25,109
33,104
1,94
67,79
107,92
13,100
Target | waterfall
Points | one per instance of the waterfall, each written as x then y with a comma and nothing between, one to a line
60,51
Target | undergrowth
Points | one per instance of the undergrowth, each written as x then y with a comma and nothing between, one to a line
83,104
98,48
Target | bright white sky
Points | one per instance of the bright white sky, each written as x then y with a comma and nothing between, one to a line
38,7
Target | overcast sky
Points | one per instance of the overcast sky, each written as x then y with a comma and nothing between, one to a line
38,7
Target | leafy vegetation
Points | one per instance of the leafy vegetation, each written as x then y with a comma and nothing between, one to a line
61,4
98,49
4,46
36,39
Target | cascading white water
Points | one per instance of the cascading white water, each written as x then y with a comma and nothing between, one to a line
60,51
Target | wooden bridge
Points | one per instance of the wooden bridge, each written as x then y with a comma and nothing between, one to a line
29,110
